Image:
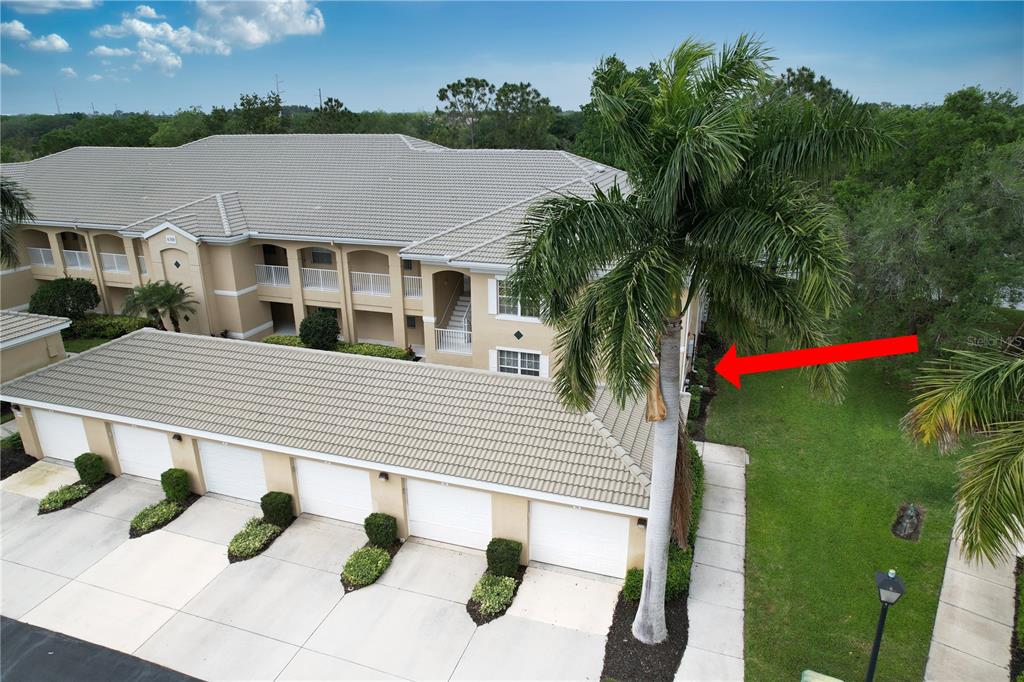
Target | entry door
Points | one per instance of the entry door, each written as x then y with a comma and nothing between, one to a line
232,470
449,514
579,538
142,452
333,491
61,436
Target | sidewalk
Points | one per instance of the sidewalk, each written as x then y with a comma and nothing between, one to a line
7,428
974,622
715,647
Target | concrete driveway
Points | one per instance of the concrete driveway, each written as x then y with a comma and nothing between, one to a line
172,598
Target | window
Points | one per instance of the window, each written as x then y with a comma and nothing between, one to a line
509,305
321,257
410,321
407,265
515,362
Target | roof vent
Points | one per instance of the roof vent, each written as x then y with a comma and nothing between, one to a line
599,169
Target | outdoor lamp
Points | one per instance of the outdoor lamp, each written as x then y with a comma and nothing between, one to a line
890,589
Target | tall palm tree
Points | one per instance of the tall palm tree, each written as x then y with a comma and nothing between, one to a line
722,200
176,301
14,209
145,301
979,392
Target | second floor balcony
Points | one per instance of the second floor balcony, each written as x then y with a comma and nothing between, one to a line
114,262
371,283
77,260
272,275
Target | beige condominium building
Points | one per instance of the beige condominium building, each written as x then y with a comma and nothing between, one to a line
405,241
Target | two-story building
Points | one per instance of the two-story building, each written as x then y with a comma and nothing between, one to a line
405,241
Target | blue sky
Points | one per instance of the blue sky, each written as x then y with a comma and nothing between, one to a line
162,56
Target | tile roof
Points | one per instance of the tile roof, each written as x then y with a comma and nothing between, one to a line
387,188
471,424
17,328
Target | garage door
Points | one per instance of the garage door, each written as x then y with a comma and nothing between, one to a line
334,491
233,471
449,514
142,452
61,436
579,538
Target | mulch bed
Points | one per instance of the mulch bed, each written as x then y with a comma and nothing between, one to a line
13,460
625,658
70,503
473,607
234,558
132,533
392,551
1017,644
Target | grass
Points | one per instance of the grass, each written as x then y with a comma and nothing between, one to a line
80,345
823,488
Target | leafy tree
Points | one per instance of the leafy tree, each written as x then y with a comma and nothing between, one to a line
805,83
319,330
257,115
116,130
522,118
594,140
721,203
70,297
979,392
15,208
185,126
465,104
145,300
332,117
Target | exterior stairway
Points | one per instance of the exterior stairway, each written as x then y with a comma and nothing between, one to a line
461,317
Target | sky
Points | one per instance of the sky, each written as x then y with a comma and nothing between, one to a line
163,56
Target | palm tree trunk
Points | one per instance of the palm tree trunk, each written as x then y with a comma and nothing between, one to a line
157,319
649,624
174,320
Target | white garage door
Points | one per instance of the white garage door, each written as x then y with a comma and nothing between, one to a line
233,471
579,538
334,491
61,436
449,514
142,452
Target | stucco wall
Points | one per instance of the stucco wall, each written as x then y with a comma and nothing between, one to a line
389,498
17,285
19,360
510,519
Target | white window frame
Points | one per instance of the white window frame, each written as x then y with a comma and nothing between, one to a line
542,361
495,305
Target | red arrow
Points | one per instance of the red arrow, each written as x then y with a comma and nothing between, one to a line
731,367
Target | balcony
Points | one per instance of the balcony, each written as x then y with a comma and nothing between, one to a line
272,275
319,279
77,260
453,341
413,286
113,262
371,283
42,258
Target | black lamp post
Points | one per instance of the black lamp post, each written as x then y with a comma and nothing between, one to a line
890,589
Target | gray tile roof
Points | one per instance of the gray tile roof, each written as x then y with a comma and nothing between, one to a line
388,188
497,428
18,327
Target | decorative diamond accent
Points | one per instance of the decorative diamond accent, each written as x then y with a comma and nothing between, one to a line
177,264
518,335
186,318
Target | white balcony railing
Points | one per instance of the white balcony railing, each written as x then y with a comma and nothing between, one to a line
40,257
453,341
114,262
143,266
272,275
77,260
372,283
413,286
320,279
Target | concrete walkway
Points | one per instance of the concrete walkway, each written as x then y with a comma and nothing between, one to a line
715,648
8,428
974,622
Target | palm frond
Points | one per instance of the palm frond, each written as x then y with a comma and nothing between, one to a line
15,202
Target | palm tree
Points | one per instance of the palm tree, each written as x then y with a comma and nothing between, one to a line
176,301
723,201
979,392
14,209
144,300
156,299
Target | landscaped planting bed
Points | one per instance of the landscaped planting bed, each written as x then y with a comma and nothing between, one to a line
178,498
259,533
1017,644
92,472
372,349
493,593
13,457
368,563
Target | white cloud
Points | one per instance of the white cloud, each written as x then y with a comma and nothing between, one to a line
47,6
7,70
15,30
50,43
94,77
158,54
68,72
147,12
104,51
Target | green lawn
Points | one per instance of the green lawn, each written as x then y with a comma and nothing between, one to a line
79,345
823,487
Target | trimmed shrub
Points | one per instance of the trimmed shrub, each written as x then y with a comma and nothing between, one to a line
319,330
284,340
91,468
365,565
381,529
107,326
677,580
12,442
155,516
376,350
494,593
503,557
70,297
64,496
175,485
695,394
254,537
697,479
277,508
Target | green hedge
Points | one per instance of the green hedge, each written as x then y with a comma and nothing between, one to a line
175,485
697,479
371,349
319,330
381,529
677,580
70,297
365,565
283,340
64,496
155,516
277,508
107,326
503,557
254,537
695,394
90,467
494,593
